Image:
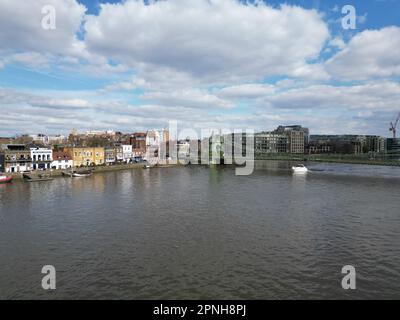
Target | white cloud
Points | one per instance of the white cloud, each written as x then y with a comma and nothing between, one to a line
192,98
375,96
21,28
371,53
194,62
218,41
31,59
247,91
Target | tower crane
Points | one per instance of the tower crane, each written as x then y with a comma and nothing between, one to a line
393,126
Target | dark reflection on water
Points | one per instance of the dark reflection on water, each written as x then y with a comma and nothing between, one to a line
197,232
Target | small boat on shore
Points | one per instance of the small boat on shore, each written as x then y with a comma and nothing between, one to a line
78,174
5,179
300,168
40,177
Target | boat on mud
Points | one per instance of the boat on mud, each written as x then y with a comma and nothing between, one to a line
37,178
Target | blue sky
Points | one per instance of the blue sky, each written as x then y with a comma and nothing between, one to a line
133,66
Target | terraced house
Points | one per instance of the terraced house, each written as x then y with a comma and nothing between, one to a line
15,158
41,158
86,156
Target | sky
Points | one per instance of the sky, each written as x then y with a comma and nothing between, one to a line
135,65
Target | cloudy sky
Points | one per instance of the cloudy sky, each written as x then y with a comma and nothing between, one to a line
134,65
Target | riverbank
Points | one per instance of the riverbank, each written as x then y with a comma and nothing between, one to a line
302,159
97,169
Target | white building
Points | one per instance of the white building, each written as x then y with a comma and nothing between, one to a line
57,139
100,133
127,152
61,161
41,158
39,138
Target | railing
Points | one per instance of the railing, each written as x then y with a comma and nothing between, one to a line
18,160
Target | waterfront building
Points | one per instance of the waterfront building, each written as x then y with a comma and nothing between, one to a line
349,144
344,144
183,148
123,152
86,156
61,160
186,151
267,143
217,148
296,141
155,140
393,148
164,135
119,152
138,142
375,144
15,158
41,158
110,155
298,137
316,148
299,128
127,153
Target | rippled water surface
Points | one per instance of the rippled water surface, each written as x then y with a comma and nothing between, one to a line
199,232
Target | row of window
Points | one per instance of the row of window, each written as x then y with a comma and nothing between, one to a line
87,154
39,157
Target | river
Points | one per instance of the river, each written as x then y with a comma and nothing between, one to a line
200,232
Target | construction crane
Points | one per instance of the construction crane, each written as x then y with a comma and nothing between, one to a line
393,125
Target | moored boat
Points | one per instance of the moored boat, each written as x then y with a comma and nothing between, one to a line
78,174
81,173
5,179
37,178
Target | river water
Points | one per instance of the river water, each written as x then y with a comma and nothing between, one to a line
204,233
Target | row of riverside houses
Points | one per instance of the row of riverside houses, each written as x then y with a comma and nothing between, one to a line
79,150
40,152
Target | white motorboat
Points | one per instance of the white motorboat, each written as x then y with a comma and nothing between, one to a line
300,168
